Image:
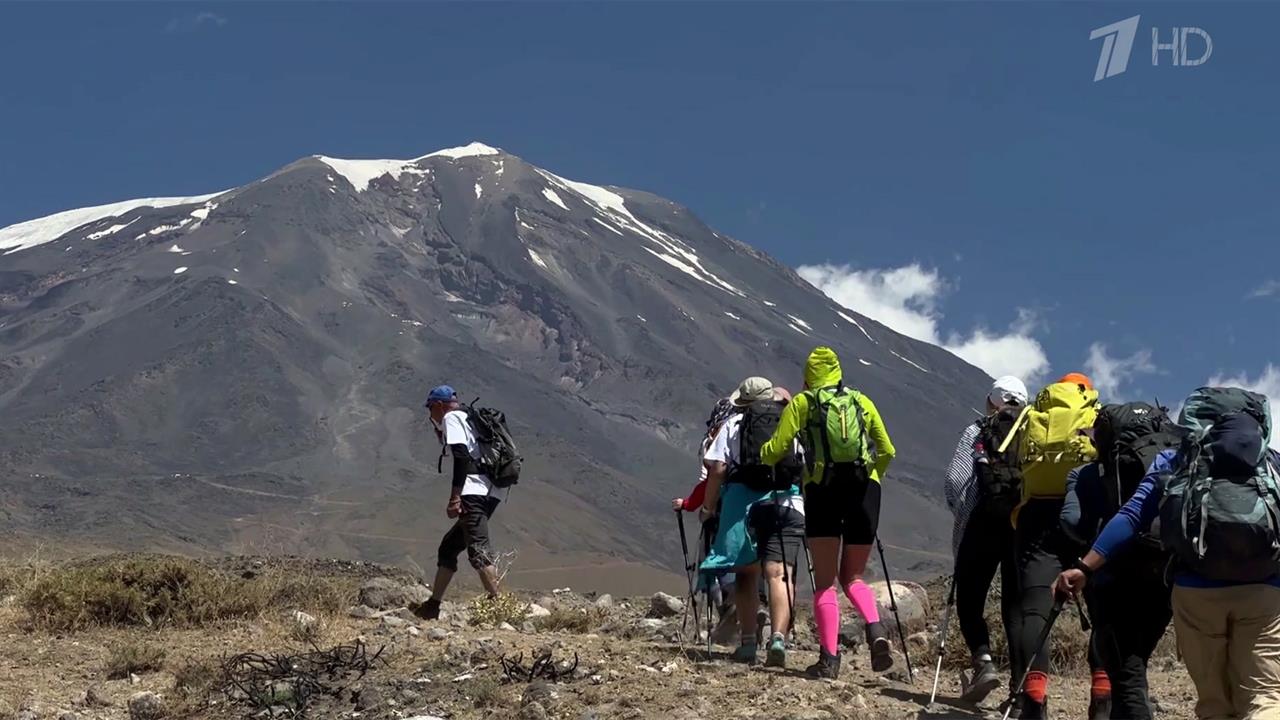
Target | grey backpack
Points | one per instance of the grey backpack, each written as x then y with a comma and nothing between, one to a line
1220,509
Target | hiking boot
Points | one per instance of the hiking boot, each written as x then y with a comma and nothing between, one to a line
746,654
979,684
827,667
776,655
1013,704
1032,710
429,610
1100,708
881,650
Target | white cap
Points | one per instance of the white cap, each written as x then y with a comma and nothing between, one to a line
1008,390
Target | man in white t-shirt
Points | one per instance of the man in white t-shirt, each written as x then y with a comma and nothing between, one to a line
472,500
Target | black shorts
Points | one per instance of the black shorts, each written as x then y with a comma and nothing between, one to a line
846,508
470,532
778,531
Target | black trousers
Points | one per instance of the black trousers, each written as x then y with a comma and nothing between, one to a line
470,532
1131,609
987,544
1042,551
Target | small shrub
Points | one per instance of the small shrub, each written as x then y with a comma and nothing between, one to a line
485,692
194,678
128,658
165,591
574,620
505,608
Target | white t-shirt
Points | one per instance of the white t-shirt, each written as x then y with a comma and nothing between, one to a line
725,449
458,432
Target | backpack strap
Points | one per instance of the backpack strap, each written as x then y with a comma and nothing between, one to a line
1013,431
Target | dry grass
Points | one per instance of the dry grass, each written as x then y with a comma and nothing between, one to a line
574,620
128,658
165,592
494,611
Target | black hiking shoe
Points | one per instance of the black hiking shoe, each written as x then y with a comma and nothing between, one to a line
1032,710
827,667
429,610
1100,708
881,649
978,685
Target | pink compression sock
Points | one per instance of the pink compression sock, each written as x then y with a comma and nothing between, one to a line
859,593
826,613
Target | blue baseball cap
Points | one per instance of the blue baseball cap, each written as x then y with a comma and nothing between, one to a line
441,393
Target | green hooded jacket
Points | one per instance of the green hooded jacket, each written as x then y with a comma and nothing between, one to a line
822,370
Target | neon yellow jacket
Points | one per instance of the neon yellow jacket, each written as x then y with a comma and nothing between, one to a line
822,370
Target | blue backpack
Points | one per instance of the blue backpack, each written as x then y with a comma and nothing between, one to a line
1220,509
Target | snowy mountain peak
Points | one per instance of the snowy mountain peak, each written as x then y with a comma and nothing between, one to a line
31,233
362,173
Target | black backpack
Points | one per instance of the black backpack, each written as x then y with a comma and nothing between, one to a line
999,474
1129,436
499,460
759,421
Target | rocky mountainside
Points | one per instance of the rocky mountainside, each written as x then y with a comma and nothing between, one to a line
245,371
244,642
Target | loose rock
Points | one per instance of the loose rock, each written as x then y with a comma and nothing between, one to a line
664,606
146,706
537,611
387,594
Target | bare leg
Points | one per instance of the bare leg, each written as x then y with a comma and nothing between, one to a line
781,596
489,579
443,577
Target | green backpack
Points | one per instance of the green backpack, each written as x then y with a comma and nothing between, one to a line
836,440
1221,515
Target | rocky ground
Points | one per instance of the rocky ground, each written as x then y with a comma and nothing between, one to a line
560,655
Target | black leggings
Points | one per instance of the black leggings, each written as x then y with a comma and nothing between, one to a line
1131,610
1042,551
843,507
987,543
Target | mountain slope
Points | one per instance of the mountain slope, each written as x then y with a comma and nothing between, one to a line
245,371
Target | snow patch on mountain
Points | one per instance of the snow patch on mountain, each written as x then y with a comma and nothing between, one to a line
362,173
468,150
551,196
608,227
32,233
537,259
180,270
109,231
858,324
913,364
174,248
800,322
677,253
479,191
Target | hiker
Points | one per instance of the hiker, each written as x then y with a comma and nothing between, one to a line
1216,500
1051,440
761,516
846,452
982,488
472,500
721,588
1129,599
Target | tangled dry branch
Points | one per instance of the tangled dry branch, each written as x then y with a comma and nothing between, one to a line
286,684
544,667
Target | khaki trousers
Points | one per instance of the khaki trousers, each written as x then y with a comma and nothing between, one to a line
1230,641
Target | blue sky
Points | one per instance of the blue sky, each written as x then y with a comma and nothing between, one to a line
951,169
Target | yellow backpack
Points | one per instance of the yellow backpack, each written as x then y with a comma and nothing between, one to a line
1050,438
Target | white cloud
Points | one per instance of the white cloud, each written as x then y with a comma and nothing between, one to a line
1266,289
1267,383
192,22
906,299
1109,374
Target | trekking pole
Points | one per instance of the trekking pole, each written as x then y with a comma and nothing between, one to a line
942,638
808,561
688,576
1058,604
893,605
707,579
